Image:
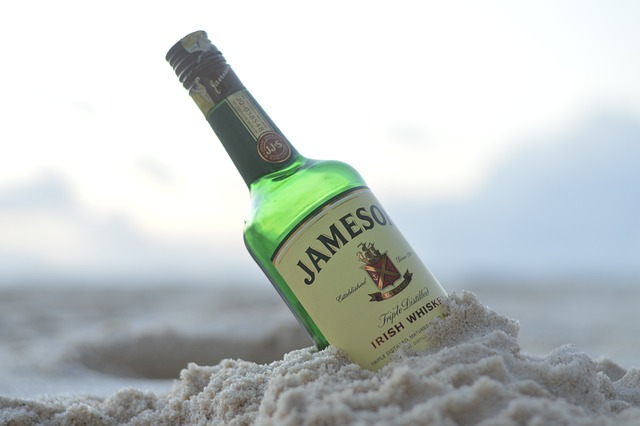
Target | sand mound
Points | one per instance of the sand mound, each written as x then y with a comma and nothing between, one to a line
474,375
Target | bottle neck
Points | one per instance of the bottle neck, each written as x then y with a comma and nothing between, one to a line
254,143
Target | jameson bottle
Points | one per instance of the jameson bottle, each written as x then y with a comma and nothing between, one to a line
314,227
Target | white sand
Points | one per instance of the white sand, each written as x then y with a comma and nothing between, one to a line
476,373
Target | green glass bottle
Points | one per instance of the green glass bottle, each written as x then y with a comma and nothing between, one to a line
314,227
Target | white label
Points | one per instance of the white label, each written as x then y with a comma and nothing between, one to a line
359,279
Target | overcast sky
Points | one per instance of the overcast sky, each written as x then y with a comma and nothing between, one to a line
107,164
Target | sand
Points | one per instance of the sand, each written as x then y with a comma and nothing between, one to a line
475,374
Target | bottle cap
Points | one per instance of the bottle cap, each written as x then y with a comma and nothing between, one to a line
202,70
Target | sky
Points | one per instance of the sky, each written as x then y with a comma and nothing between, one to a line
108,171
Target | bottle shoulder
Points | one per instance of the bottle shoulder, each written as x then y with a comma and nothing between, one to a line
281,200
305,180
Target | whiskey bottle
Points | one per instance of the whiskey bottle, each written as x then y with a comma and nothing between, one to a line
314,227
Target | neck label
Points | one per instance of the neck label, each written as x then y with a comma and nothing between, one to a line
271,146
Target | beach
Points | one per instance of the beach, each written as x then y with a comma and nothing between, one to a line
505,353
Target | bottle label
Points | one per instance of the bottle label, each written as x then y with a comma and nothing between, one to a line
359,280
272,147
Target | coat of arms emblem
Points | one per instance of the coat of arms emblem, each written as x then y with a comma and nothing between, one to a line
382,272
